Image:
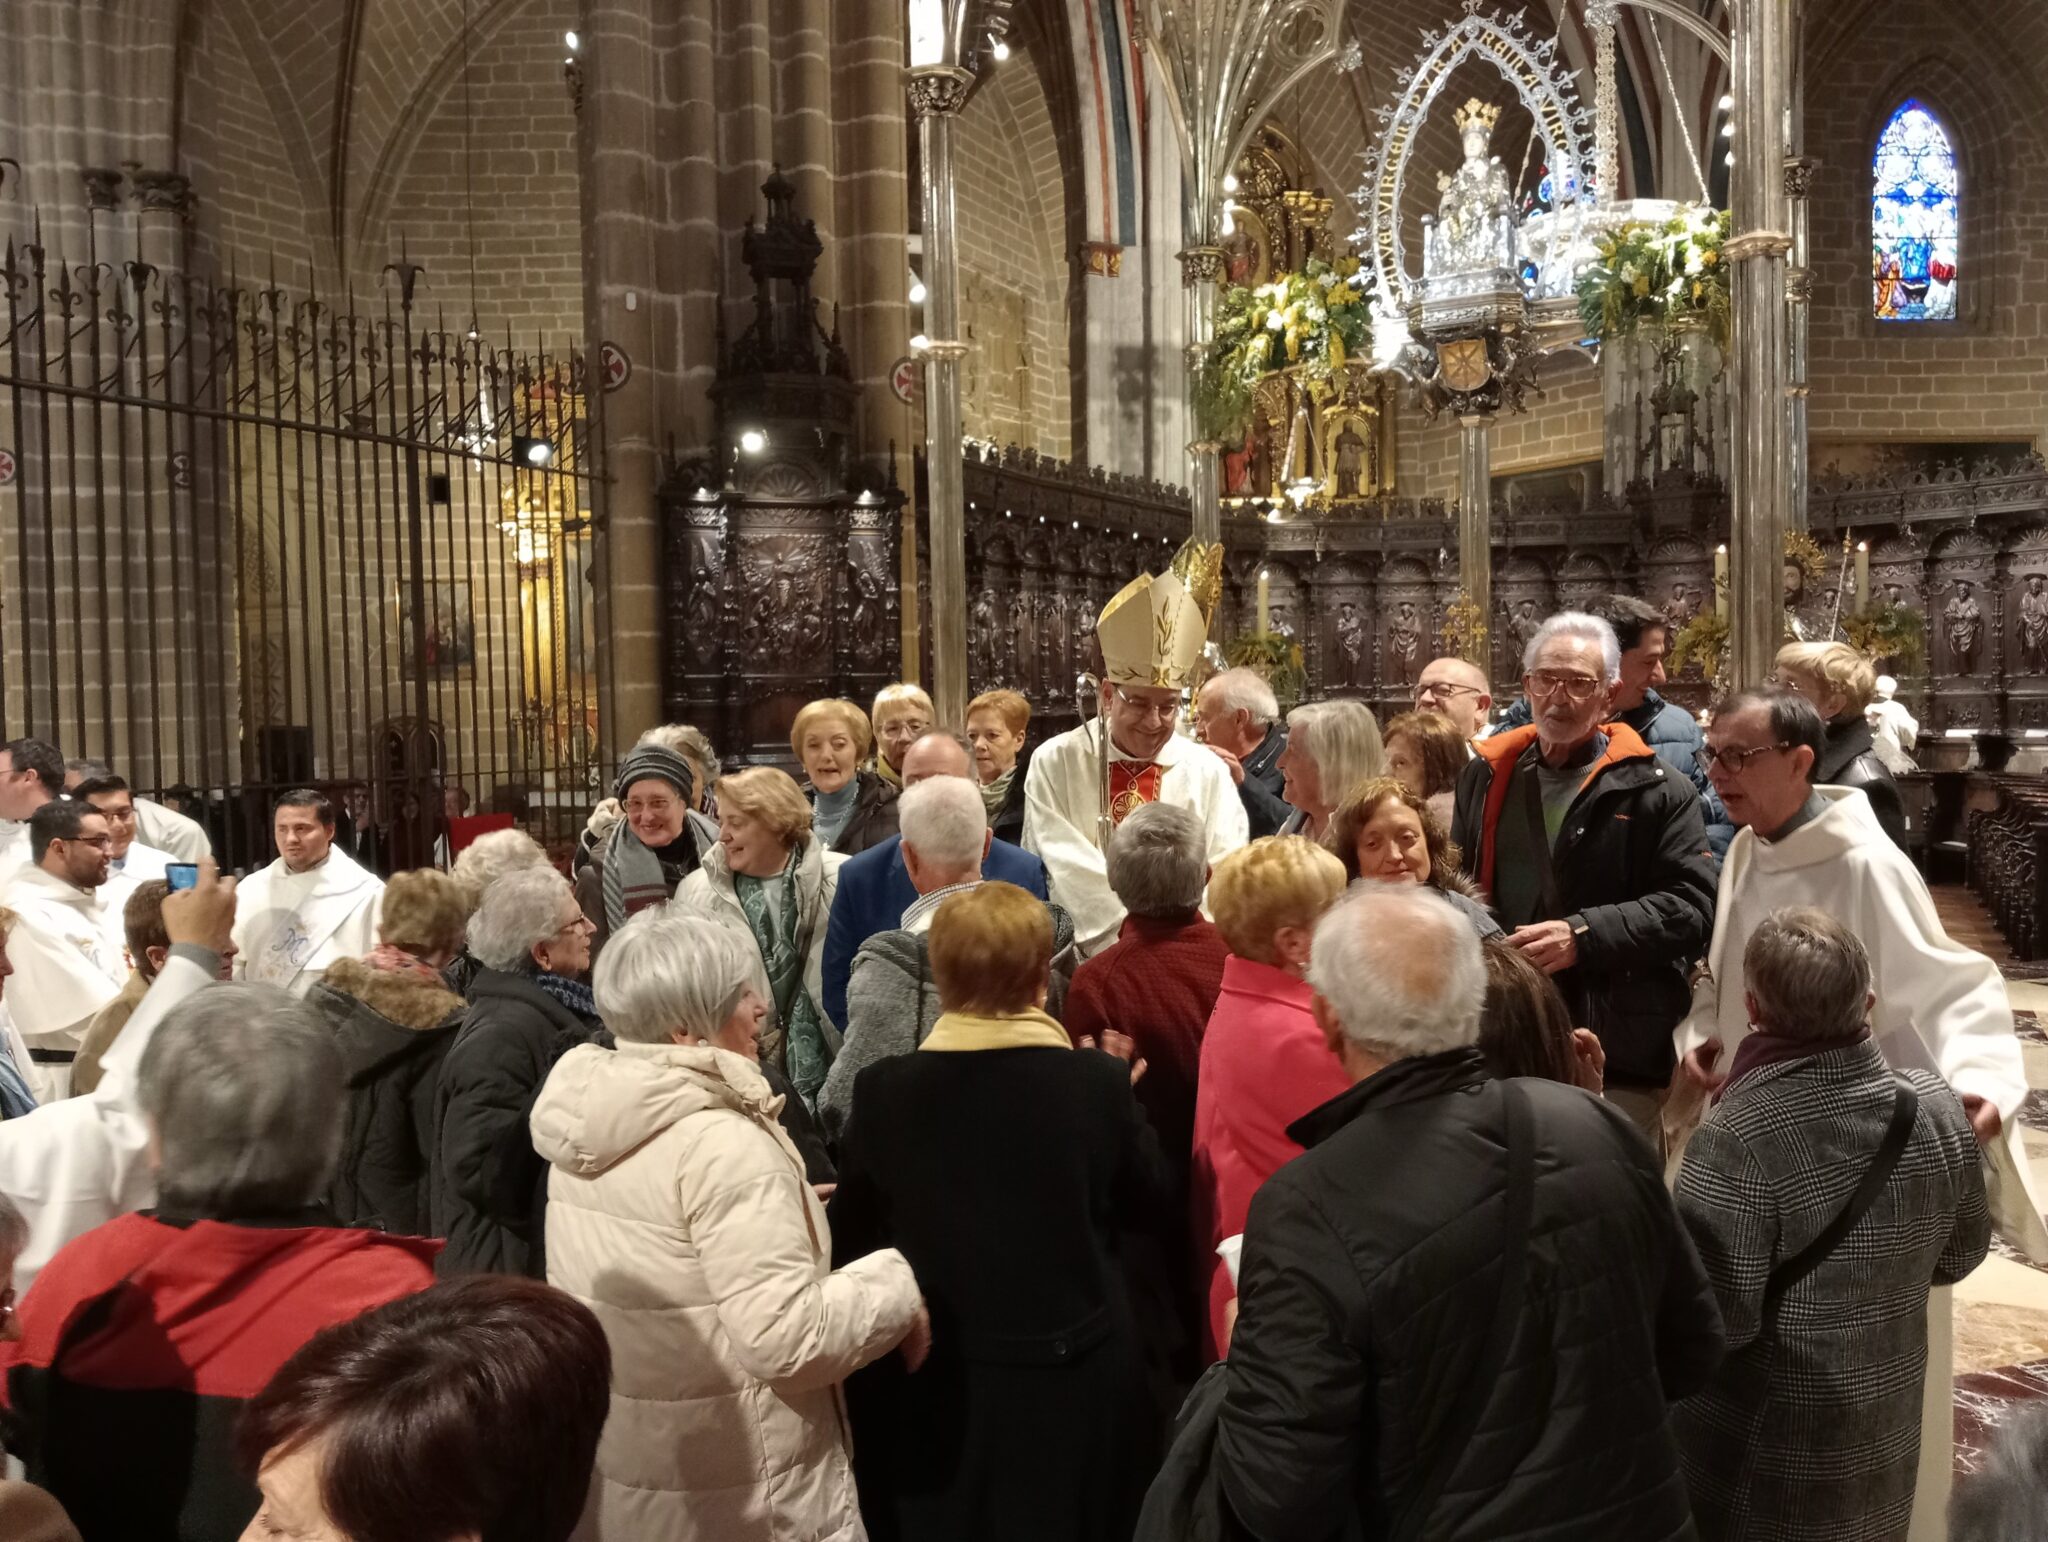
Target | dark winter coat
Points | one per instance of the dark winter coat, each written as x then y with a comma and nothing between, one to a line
1366,1302
1630,867
892,1002
489,1186
1008,1178
142,1340
1811,1430
1264,809
1848,759
873,819
1675,735
1007,823
393,1030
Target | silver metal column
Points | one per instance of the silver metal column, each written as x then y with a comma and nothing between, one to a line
1475,525
1201,268
1758,248
937,92
1799,170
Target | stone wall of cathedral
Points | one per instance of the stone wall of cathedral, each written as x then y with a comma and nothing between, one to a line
1014,272
1983,376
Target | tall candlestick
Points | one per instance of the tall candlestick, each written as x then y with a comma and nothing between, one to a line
1862,577
1265,583
1721,582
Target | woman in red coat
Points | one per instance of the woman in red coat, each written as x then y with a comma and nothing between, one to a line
1264,1060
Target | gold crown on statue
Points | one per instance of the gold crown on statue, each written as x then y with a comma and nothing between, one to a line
1153,632
1476,111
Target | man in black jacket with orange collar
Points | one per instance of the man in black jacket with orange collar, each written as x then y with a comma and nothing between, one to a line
1466,1310
1594,855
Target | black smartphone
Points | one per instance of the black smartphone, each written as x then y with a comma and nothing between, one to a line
181,875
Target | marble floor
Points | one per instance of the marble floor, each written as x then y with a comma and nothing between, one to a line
2001,1317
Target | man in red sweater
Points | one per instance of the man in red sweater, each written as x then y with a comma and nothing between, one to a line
141,1340
1156,985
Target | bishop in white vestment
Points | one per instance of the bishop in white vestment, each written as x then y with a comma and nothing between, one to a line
1151,636
312,907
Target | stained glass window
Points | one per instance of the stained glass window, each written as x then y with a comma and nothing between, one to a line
1913,219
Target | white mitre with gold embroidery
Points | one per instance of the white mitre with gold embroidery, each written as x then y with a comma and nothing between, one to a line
1153,632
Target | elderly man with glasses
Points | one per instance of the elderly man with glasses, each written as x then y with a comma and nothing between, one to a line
1939,1006
1594,855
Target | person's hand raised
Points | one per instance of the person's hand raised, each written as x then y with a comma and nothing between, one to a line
203,915
1120,1046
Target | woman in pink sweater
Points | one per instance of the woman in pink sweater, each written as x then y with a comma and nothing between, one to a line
1264,1060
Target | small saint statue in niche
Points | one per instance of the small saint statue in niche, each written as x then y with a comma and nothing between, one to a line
1964,621
1350,644
1404,642
1350,463
2034,624
1475,224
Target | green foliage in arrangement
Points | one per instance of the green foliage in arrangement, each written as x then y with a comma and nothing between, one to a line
1314,320
1660,274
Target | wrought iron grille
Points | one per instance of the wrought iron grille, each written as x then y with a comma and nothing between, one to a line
255,540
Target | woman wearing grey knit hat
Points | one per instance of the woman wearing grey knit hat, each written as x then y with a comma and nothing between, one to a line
648,852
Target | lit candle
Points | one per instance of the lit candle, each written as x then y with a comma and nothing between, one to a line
1862,577
1265,582
1721,582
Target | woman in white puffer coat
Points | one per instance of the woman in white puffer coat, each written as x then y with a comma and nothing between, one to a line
678,1212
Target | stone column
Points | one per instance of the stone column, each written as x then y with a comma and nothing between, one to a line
1475,525
1763,45
616,136
1201,267
1799,170
937,93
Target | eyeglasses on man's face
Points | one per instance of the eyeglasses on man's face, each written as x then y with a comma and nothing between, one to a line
1158,711
1730,758
1563,682
102,842
1443,690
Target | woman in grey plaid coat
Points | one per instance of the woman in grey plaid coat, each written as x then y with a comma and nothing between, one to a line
1811,1429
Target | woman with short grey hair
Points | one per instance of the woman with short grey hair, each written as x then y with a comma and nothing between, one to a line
1827,1194
682,1216
245,1105
1332,746
528,1004
160,1323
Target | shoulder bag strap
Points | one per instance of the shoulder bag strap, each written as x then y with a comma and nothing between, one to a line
1451,1442
1905,1109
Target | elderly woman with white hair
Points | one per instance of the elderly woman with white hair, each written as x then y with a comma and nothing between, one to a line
681,1216
528,1005
477,866
140,1340
1332,746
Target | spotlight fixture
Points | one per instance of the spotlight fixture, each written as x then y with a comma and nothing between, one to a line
1728,130
1727,103
572,40
753,441
919,343
532,450
1728,159
1000,50
917,290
